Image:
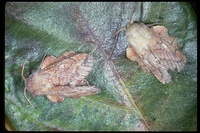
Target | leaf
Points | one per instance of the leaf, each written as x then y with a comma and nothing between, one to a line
130,98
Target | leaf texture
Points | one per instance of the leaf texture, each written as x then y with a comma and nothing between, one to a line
130,99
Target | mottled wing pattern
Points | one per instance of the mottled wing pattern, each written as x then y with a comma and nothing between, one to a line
161,56
68,74
63,77
70,71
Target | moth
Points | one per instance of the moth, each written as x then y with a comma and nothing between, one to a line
154,50
62,77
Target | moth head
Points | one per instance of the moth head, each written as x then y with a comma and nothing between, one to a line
29,84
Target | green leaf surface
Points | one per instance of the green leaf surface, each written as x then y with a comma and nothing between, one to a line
130,99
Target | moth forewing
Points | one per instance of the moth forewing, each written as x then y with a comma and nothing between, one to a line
46,63
154,50
62,77
50,61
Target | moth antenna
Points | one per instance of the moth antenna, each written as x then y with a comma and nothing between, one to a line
27,98
131,21
22,73
121,29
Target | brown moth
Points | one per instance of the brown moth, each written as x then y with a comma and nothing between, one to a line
155,51
62,77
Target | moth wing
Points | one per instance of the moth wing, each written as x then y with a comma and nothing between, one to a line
154,64
79,83
64,56
80,91
69,69
163,57
55,98
132,55
47,61
74,69
167,50
148,62
59,93
162,31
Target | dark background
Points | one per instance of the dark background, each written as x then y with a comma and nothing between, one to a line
194,6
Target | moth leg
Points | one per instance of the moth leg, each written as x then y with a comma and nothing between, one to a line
116,40
121,29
